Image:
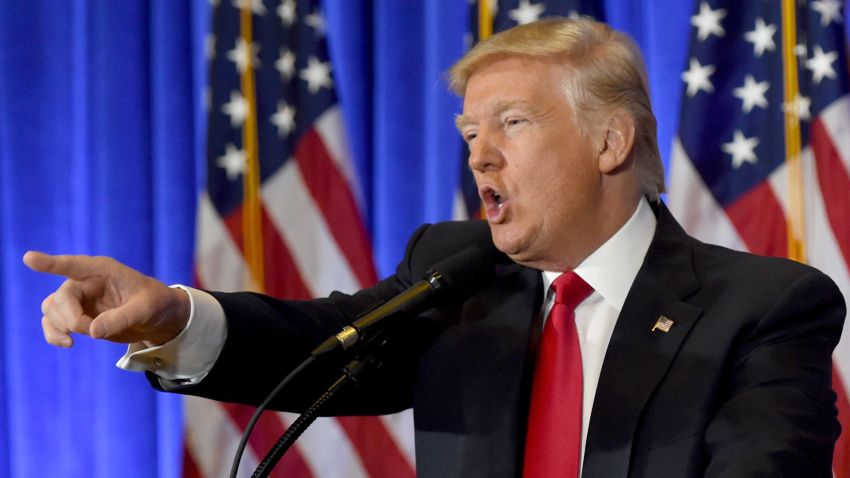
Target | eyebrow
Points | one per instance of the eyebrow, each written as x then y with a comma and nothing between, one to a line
461,120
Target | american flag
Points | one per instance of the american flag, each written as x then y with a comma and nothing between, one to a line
492,16
762,155
282,214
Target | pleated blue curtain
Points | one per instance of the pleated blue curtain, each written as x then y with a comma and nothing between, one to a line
98,133
101,151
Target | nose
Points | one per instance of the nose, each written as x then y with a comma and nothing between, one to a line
485,153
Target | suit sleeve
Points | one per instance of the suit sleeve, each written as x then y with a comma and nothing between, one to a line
778,415
268,337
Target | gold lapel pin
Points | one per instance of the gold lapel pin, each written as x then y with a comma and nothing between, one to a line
663,324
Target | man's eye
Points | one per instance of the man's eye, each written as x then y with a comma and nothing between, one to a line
469,137
514,121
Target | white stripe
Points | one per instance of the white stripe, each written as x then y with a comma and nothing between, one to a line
218,261
694,206
302,227
212,438
836,119
822,249
400,427
326,449
331,128
459,212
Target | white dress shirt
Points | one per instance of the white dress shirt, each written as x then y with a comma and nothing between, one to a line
610,270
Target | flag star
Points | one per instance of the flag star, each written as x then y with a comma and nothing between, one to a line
243,55
236,108
317,21
742,149
317,74
209,46
802,104
574,15
821,64
707,21
761,37
830,10
752,93
526,12
285,64
256,6
284,119
800,50
697,77
286,12
233,161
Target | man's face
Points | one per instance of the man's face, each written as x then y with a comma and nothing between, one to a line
537,175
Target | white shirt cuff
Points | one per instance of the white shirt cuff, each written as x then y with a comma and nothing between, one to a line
189,357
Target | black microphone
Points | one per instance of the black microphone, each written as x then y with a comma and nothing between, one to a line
452,279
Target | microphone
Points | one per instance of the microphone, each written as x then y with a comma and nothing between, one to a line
452,279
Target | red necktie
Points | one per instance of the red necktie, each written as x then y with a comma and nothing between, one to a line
553,441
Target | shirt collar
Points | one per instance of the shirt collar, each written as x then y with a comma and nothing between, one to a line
611,269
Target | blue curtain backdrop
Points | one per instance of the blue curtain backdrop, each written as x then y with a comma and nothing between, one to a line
101,143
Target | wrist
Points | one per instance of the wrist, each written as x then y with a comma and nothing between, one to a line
175,317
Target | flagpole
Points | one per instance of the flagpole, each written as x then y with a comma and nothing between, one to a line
252,233
793,161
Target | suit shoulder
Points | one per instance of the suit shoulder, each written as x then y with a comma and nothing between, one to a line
753,269
432,243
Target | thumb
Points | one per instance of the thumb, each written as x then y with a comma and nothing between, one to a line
112,324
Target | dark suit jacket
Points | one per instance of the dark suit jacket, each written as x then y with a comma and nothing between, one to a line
738,387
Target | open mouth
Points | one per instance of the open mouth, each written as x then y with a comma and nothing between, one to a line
493,202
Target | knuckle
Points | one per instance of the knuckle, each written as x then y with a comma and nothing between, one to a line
47,304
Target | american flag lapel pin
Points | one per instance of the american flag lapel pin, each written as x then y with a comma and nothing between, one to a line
663,324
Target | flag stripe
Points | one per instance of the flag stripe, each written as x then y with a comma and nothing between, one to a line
219,264
695,208
330,192
305,231
378,451
763,233
291,283
190,469
834,182
331,129
327,450
399,426
212,438
266,433
835,120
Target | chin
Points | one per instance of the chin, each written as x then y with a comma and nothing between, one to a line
512,246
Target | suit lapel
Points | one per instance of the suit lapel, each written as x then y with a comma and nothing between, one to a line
638,357
474,426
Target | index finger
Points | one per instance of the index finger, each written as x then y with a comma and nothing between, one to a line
74,267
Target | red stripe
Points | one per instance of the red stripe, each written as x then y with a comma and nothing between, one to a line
759,219
283,279
269,428
841,459
376,448
834,185
266,433
190,468
331,193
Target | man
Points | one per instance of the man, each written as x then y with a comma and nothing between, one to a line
694,360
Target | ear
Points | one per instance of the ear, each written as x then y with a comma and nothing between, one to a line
618,143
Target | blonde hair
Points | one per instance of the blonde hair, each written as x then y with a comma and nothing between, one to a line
605,73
